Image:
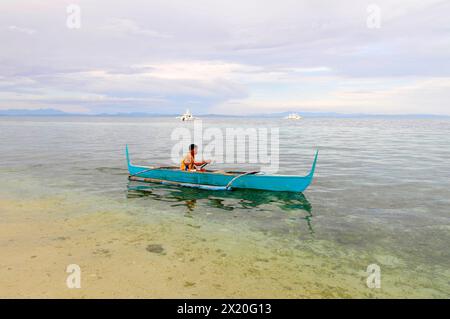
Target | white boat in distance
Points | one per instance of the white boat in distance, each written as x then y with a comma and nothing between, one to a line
293,116
187,116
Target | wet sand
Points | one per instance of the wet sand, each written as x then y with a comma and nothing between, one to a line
122,256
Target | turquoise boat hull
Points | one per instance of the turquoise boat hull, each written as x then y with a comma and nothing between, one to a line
220,180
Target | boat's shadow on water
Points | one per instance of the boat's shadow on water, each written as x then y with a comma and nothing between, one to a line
253,203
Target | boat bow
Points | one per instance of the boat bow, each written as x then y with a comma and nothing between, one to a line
313,167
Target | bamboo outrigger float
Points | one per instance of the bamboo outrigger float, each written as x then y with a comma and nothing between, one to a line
220,180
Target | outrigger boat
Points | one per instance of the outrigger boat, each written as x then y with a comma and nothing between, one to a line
220,180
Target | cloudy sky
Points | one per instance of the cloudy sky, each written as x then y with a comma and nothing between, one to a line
225,56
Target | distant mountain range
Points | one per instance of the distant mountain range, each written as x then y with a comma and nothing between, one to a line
53,112
26,112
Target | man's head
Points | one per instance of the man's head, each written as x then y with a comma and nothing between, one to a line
193,148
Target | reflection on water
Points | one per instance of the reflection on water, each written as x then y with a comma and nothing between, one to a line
246,200
243,199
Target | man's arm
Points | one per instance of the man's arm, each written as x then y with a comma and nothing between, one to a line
202,162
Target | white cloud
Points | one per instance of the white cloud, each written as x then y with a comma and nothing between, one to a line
130,27
319,69
191,70
419,96
22,30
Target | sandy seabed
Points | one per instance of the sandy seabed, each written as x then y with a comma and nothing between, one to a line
122,257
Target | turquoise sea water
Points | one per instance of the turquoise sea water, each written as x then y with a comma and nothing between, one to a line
381,189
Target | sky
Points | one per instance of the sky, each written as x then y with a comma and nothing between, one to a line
226,56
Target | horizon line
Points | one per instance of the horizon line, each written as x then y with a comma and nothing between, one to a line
55,112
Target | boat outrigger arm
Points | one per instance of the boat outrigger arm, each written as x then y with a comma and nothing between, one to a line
228,187
220,180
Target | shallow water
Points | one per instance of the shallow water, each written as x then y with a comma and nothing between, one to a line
380,195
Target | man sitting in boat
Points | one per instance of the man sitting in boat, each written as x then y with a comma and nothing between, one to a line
188,162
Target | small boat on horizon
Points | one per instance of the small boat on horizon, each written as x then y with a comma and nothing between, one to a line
219,179
293,116
187,116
